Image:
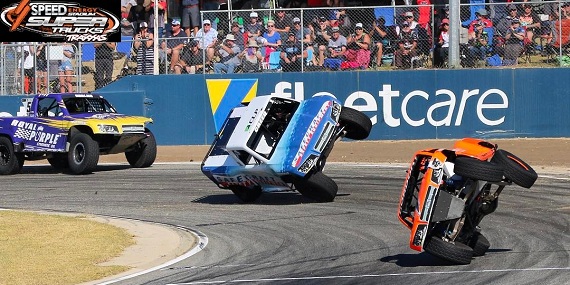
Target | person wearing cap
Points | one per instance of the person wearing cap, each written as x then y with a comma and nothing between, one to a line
291,54
320,36
407,47
283,22
303,35
336,49
229,56
173,44
358,47
379,38
236,31
504,24
529,21
478,46
190,16
441,50
208,40
483,18
254,28
409,18
251,58
301,32
514,40
191,59
143,44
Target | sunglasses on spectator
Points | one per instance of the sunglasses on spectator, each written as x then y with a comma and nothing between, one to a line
270,26
359,28
206,24
409,16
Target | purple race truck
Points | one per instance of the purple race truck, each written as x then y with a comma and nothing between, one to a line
71,130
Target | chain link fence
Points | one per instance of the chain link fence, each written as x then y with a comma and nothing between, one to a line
529,34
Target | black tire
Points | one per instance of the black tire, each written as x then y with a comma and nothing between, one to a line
356,123
144,152
246,195
83,154
59,161
473,168
516,169
10,162
318,187
457,252
480,244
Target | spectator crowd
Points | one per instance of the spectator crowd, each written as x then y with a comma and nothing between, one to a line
336,37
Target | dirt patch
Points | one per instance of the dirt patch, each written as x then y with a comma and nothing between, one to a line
539,153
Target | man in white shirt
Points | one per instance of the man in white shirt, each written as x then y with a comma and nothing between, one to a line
207,38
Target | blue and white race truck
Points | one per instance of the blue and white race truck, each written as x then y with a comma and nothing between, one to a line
278,144
71,130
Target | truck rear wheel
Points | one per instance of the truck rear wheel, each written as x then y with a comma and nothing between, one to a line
83,154
10,162
318,187
356,123
144,152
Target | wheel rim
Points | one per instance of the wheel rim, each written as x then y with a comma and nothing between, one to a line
79,153
4,155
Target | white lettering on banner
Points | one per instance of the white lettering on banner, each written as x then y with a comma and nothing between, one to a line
366,102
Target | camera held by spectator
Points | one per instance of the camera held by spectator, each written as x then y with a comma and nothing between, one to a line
143,31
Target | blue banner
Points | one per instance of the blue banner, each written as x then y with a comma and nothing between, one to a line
421,104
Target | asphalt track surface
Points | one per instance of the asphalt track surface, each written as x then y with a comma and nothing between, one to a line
284,238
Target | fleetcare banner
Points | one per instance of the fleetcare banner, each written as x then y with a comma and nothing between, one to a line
426,104
60,21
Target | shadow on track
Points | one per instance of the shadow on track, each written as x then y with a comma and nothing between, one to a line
47,169
275,198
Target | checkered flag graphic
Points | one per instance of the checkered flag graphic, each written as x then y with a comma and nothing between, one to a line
22,133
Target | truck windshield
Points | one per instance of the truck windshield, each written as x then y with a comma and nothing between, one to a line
88,105
224,136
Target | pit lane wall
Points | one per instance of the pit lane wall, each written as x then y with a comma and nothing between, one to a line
421,104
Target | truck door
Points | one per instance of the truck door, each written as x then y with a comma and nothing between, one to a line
47,130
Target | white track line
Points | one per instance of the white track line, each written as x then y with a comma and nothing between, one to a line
372,275
202,242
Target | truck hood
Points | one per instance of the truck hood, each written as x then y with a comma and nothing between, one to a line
307,135
122,123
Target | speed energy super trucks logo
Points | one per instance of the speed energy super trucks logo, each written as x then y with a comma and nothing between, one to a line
60,20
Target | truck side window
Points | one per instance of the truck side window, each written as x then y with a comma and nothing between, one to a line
48,107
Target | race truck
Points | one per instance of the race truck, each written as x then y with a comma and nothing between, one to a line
71,130
275,143
447,192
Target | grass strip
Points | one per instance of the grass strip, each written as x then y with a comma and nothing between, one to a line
53,249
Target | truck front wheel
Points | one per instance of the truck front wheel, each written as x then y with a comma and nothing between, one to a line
10,162
144,152
83,154
317,186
